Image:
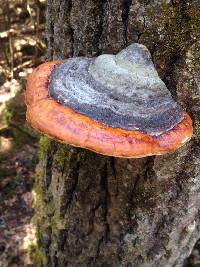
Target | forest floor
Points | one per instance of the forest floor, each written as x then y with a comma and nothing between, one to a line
17,232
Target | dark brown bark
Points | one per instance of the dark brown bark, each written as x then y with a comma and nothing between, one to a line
94,210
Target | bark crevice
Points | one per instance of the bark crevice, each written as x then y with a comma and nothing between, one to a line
125,15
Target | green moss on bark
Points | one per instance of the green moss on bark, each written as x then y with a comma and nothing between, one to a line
37,255
177,27
48,219
182,26
43,146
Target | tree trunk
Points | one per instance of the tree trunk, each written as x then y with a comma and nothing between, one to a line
94,210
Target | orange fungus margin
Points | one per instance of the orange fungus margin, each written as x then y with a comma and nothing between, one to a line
66,125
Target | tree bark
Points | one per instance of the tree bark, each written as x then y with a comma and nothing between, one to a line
94,210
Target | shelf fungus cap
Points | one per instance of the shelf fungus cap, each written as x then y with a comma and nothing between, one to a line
112,104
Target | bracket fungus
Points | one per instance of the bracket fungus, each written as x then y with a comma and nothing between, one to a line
113,104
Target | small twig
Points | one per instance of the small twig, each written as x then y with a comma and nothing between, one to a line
25,64
11,56
37,30
10,39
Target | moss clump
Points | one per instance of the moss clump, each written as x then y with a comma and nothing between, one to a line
43,146
182,26
60,157
58,222
37,255
177,27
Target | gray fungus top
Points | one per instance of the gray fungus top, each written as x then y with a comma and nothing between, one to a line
122,91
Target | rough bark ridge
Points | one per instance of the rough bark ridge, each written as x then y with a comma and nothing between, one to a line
94,210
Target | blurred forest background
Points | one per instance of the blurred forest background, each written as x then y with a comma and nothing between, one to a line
22,47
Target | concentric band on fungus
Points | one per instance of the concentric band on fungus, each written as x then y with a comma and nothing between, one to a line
68,126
